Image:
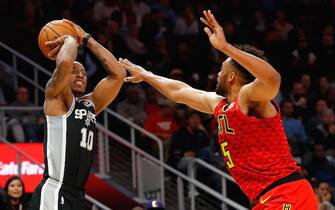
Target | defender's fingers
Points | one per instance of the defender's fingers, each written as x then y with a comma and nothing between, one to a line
213,19
207,17
208,31
204,21
128,79
126,64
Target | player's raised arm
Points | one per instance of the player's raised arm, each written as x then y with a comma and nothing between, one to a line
65,53
107,89
266,85
173,89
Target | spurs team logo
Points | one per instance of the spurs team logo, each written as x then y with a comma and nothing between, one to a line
81,113
90,118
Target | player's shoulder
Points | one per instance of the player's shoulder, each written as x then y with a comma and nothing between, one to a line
216,100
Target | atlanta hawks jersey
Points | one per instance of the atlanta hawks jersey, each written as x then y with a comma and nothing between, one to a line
69,145
256,151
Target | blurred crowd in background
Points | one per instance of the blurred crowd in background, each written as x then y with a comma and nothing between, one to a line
166,37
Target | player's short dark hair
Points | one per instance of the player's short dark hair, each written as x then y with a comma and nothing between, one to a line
251,50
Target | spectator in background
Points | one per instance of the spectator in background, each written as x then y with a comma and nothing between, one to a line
151,106
326,51
189,142
186,24
320,107
25,125
303,56
183,58
168,14
321,166
324,196
259,23
294,128
141,9
321,131
299,100
163,124
14,197
134,44
118,44
6,90
282,24
177,74
305,80
158,57
324,87
330,140
132,107
103,9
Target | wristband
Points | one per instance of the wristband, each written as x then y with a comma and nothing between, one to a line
86,38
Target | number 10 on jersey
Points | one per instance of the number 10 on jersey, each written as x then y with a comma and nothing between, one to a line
86,139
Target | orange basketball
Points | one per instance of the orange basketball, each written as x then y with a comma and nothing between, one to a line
52,31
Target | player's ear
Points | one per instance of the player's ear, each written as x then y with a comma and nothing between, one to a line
231,76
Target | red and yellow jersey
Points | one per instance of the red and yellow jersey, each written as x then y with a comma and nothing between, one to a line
256,151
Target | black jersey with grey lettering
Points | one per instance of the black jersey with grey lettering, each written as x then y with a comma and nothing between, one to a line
70,143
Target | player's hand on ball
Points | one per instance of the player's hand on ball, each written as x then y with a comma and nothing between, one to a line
57,44
213,30
80,32
137,73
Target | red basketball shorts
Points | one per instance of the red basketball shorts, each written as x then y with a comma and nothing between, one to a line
296,195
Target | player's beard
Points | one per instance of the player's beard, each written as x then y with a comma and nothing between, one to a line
78,92
222,88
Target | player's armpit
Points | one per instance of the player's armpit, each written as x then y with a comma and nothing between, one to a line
105,92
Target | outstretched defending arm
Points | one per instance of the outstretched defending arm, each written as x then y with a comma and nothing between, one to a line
173,89
267,82
107,89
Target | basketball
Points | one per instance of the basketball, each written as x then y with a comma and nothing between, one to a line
52,31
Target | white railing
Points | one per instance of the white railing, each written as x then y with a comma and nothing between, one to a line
94,203
183,178
105,163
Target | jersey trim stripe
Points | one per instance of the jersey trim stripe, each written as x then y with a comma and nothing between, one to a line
72,107
50,169
63,150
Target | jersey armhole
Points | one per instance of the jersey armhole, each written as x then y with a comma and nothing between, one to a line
72,106
220,105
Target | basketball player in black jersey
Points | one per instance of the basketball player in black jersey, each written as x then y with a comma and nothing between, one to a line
70,122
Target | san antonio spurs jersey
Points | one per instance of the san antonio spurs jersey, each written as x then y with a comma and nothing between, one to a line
70,143
68,150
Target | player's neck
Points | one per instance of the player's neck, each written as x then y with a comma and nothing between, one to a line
233,93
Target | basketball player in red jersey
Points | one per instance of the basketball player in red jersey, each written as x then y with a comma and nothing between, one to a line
251,134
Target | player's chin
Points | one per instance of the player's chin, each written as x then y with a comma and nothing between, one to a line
78,91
